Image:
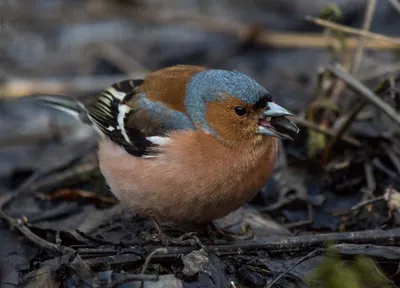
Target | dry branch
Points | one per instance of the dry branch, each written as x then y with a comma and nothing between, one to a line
395,4
82,84
269,38
350,30
112,257
326,131
364,91
358,55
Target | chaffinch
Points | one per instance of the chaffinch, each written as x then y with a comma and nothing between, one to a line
185,144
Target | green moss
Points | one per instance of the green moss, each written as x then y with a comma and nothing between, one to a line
334,272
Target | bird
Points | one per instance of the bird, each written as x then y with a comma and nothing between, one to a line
184,144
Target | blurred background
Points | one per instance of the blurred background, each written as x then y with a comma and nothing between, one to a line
80,47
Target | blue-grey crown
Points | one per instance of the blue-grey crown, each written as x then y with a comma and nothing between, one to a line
212,85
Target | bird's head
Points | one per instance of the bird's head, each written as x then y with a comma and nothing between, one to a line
234,107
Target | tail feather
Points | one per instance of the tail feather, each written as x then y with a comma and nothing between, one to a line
66,104
108,113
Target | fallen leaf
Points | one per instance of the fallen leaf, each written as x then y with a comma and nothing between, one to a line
77,194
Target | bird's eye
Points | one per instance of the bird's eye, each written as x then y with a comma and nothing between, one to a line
240,111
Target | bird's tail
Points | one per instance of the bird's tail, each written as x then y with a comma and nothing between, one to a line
106,114
66,104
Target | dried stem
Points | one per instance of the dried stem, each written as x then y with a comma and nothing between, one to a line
326,131
82,84
368,16
270,244
20,225
151,255
265,38
395,4
308,256
364,91
350,30
343,128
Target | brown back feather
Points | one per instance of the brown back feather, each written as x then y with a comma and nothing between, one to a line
168,85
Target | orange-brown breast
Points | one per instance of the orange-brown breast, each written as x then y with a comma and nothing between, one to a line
168,85
196,179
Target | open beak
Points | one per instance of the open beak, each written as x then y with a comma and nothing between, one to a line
274,123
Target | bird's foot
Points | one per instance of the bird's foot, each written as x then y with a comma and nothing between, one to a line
186,239
247,232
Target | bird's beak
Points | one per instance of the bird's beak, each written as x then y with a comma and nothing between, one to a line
274,123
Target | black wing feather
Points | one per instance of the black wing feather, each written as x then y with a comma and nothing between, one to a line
109,113
108,109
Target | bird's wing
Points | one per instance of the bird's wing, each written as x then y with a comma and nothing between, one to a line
125,114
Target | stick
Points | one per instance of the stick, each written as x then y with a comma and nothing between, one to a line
270,244
151,255
371,183
263,38
308,256
83,84
326,131
350,30
368,16
367,202
364,91
343,128
395,4
341,85
21,227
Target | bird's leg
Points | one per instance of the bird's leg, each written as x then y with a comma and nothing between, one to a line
246,235
186,239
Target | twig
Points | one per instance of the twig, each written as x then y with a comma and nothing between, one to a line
395,4
350,30
21,227
82,84
325,131
308,221
264,38
270,244
341,84
367,202
343,128
303,242
308,256
371,183
368,16
347,121
364,91
360,205
151,255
